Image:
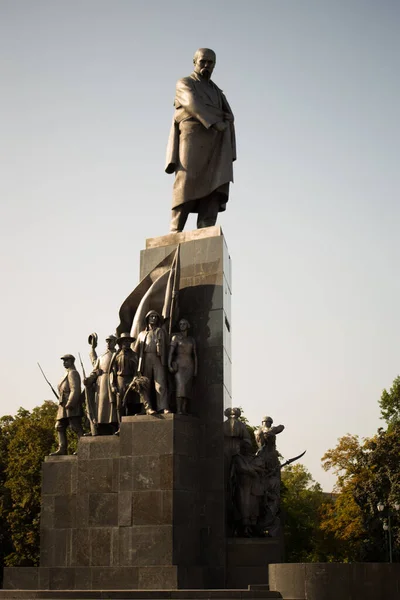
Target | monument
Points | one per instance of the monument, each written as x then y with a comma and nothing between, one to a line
163,495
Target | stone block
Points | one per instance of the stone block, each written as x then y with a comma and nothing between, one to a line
23,578
201,294
82,510
46,547
173,239
152,435
44,578
64,511
125,474
57,476
141,546
80,547
100,546
103,510
115,535
62,546
114,578
125,437
253,552
241,577
125,509
47,511
95,476
152,507
83,578
186,507
104,446
187,430
149,260
158,578
115,475
61,578
83,449
146,472
186,473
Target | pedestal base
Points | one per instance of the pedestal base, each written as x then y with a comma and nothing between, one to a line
247,560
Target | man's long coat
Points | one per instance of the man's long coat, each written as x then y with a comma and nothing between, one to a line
200,156
69,390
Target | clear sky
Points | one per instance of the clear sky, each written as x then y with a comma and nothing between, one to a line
312,224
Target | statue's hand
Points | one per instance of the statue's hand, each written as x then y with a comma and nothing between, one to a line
220,126
229,117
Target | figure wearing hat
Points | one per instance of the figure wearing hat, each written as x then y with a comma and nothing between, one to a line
152,348
70,410
98,384
122,371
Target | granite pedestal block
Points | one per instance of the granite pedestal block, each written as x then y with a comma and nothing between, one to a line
205,300
336,581
247,560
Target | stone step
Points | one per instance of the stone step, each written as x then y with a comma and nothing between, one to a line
249,594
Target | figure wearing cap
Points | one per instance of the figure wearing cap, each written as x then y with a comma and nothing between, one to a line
98,384
122,371
70,410
152,348
266,434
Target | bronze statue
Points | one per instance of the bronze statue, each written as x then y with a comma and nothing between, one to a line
151,347
254,481
266,434
70,410
201,146
122,371
182,362
235,431
98,384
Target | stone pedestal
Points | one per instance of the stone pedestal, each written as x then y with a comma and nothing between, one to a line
247,560
147,510
205,300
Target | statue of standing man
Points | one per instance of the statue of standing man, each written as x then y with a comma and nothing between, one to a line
201,146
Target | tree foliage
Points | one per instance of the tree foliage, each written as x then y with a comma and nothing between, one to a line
24,442
368,473
390,404
302,504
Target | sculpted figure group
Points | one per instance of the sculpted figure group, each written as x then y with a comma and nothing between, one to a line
253,478
133,376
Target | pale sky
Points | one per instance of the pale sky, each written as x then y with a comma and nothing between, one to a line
312,223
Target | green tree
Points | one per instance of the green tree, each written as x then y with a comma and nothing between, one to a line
367,473
25,440
302,502
390,404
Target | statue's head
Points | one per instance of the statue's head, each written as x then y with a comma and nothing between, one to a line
232,412
204,62
153,318
111,341
68,360
267,421
125,340
183,324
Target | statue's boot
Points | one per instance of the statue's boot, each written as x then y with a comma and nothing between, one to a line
62,444
147,406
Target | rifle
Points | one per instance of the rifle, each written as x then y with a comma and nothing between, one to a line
52,389
91,412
